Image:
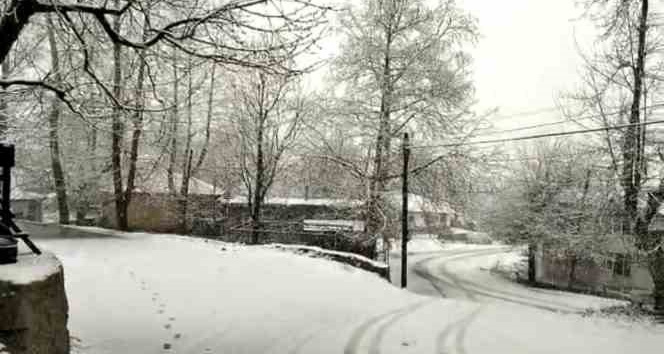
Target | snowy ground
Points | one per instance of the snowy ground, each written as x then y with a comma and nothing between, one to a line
465,272
141,293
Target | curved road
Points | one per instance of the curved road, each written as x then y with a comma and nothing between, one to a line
451,274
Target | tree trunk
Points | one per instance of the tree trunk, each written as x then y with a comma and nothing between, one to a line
173,129
206,143
657,270
259,185
532,251
184,194
137,130
632,138
186,164
379,178
14,18
4,115
53,136
572,271
117,135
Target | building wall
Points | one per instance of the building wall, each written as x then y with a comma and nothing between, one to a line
27,209
159,212
591,275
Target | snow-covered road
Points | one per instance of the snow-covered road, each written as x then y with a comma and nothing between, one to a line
464,272
141,293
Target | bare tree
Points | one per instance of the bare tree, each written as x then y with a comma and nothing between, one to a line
222,32
622,79
54,140
267,114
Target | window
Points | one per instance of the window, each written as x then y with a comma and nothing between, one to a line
622,264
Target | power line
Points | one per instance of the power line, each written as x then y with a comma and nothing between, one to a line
539,136
571,120
527,113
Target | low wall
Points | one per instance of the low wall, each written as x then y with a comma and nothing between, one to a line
33,306
354,260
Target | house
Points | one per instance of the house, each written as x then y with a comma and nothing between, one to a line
27,205
424,215
615,267
154,208
287,209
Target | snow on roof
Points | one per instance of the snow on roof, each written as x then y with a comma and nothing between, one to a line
418,203
241,199
157,182
20,194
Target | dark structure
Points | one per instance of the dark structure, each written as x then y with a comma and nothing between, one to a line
9,231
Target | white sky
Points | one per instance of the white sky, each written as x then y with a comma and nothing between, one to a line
526,55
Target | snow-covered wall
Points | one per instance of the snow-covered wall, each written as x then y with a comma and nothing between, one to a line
352,259
33,306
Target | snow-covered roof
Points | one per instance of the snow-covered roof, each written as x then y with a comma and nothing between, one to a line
157,182
418,203
296,201
20,194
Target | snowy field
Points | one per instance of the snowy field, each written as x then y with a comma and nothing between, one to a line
142,293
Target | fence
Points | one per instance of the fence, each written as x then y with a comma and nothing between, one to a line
334,235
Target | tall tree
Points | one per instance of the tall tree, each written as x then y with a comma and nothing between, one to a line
53,136
267,114
403,66
621,77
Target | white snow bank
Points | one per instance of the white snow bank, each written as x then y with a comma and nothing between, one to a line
30,268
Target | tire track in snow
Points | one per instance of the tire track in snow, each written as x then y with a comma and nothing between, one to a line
461,327
353,344
420,268
521,299
374,347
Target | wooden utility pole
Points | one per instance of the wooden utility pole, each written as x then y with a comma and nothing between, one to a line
404,213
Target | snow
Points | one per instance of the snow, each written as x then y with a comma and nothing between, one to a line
296,201
2,349
418,203
149,293
478,268
20,194
30,268
327,225
323,252
148,181
428,243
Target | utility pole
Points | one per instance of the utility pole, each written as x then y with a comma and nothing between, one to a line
404,213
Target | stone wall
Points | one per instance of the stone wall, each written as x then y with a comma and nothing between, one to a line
355,260
33,306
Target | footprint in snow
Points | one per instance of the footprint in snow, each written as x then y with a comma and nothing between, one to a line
167,326
171,318
177,336
167,346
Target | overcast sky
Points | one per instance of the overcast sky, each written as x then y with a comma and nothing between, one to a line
526,55
525,58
